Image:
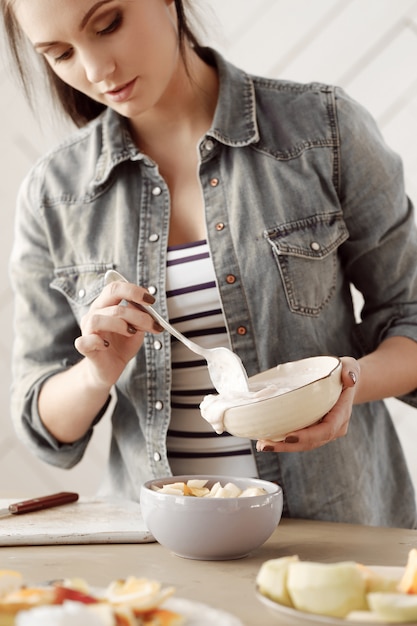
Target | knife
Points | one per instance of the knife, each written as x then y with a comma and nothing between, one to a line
38,504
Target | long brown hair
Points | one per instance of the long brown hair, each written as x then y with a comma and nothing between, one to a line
73,103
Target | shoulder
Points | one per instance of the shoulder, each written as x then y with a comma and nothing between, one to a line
306,115
76,166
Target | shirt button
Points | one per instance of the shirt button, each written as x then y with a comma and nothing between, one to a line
154,237
214,182
315,246
81,293
156,456
156,191
219,226
230,279
209,145
242,330
152,290
157,345
159,405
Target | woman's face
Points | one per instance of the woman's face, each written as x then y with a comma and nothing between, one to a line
122,53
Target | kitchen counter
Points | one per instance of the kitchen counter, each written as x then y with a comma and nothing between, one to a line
227,585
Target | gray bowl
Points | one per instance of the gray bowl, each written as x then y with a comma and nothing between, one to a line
211,528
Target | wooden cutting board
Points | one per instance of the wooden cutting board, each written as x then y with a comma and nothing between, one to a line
90,520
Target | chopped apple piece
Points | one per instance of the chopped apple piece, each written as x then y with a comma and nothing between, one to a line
215,489
408,583
367,617
252,491
197,488
232,490
393,607
272,579
333,589
196,483
199,492
376,582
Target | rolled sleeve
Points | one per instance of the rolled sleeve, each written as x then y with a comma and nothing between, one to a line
380,256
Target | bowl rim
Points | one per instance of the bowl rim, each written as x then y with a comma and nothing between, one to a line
259,401
274,488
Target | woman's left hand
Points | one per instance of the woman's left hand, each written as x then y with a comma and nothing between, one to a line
332,426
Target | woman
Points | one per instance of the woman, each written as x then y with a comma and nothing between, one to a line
245,207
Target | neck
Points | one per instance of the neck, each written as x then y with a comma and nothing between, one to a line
185,111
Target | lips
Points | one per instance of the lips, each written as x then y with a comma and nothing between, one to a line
121,93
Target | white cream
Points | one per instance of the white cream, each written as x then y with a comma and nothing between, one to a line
213,407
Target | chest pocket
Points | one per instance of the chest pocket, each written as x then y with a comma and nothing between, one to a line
81,284
307,259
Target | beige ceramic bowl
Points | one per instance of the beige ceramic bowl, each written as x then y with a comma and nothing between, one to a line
315,387
211,528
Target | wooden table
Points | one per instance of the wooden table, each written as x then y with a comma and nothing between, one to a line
227,585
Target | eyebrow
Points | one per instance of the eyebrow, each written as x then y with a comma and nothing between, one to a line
92,10
84,21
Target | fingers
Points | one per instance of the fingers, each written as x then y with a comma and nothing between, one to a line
117,291
333,425
122,319
112,312
350,372
86,344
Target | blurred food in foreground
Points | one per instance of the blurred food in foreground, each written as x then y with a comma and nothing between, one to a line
346,590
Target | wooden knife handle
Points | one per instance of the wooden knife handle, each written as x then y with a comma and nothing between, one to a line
45,502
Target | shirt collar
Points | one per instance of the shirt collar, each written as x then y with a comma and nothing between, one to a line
234,122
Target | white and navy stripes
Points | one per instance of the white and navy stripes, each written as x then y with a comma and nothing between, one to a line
194,308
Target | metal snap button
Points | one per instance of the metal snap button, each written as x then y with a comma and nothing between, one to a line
156,456
156,191
230,279
154,237
157,345
214,182
315,246
159,405
152,289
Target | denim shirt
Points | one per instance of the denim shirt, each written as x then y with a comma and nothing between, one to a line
302,200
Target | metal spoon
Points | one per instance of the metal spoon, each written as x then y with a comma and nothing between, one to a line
225,367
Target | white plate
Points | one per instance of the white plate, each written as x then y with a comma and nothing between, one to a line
389,572
199,614
195,614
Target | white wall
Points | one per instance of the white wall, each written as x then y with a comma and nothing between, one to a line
367,46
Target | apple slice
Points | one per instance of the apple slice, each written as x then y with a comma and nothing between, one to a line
62,594
272,579
408,582
333,589
393,607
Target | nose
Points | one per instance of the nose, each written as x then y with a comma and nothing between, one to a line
98,65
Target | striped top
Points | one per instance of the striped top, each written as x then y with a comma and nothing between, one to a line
194,308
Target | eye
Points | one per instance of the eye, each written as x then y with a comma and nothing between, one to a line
112,27
64,56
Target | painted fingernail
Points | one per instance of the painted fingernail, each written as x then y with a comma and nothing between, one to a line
131,329
291,439
157,327
267,449
106,343
353,377
148,298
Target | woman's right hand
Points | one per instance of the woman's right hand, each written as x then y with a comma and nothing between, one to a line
113,332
